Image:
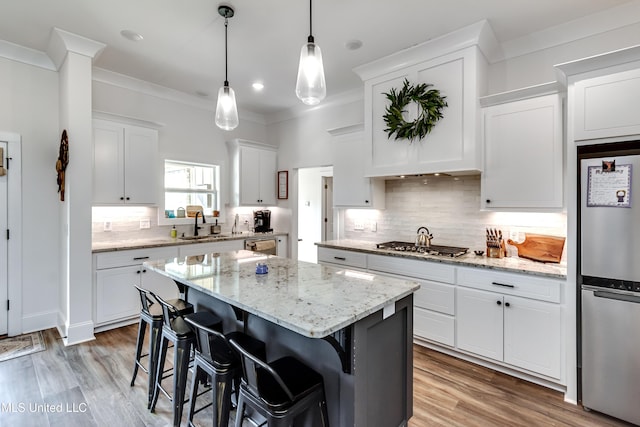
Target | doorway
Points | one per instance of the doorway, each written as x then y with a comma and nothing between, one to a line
11,237
311,210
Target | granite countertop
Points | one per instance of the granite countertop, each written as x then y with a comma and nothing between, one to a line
155,242
310,299
511,264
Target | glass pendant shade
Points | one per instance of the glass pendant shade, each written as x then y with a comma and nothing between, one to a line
311,87
226,110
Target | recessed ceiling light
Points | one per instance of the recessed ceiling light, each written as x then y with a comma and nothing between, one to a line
258,86
353,44
131,35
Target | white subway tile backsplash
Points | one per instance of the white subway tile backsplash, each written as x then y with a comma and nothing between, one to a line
450,208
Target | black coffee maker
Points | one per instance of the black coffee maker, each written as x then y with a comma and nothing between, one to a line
262,221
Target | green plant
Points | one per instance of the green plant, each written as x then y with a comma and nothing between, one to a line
430,104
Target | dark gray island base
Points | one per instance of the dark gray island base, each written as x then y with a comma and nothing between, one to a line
356,330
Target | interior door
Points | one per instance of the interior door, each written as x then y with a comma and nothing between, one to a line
4,208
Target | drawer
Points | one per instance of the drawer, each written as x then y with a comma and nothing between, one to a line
436,297
420,269
133,257
340,257
512,284
434,326
210,247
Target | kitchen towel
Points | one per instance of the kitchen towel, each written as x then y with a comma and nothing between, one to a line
263,245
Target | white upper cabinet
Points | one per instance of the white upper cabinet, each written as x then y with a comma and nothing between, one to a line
253,173
607,106
523,166
125,159
350,187
453,145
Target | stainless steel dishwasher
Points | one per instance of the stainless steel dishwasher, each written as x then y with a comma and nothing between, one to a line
611,352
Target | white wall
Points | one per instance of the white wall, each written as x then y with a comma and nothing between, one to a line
29,107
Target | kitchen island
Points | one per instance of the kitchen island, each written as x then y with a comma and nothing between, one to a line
354,328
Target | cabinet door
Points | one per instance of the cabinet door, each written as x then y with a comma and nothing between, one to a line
116,298
532,335
283,246
479,322
606,106
267,180
350,187
523,154
249,176
108,163
140,165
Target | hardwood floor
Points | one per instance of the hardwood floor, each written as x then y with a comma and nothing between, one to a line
88,385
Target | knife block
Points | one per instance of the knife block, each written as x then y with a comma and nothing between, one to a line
497,252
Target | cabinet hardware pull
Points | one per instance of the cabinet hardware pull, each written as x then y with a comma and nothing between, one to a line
499,302
503,285
506,304
140,257
144,271
488,200
138,272
340,258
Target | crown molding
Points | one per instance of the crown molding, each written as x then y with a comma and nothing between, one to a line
567,32
549,88
61,42
15,52
479,34
141,86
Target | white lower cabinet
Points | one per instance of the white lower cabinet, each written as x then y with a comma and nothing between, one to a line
116,300
282,248
510,319
522,332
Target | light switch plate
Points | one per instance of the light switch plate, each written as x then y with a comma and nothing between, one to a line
358,225
145,223
107,226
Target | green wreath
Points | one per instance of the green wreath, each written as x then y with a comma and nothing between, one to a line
431,105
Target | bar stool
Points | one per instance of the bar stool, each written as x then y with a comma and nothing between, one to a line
280,390
151,315
176,331
214,357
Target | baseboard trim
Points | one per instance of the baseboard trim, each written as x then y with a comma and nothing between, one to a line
39,321
77,333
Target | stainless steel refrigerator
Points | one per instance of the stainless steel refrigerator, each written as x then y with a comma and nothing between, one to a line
609,278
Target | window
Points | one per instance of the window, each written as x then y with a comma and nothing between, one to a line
190,184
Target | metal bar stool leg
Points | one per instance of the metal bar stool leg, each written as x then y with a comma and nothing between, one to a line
164,344
142,326
154,353
181,353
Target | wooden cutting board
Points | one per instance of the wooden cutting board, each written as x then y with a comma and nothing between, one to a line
540,247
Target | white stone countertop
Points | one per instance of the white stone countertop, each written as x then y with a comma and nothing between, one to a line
310,299
510,264
155,242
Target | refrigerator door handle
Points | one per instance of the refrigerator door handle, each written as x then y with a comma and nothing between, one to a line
619,297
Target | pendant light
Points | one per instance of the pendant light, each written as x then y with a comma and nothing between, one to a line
311,87
226,110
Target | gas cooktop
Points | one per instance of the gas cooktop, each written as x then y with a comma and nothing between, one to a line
451,251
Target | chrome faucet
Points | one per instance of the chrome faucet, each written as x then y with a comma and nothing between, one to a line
195,229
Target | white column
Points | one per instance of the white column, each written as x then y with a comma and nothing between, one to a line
73,57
